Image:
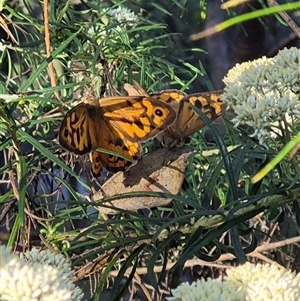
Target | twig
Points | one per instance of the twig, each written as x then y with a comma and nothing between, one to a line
142,286
295,28
224,257
48,52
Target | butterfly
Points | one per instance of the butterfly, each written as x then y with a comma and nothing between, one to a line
117,124
188,120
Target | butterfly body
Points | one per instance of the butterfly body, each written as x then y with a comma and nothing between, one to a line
117,124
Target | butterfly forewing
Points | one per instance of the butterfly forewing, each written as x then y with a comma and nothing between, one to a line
169,96
188,120
138,118
209,103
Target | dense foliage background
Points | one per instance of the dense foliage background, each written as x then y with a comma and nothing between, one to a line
219,218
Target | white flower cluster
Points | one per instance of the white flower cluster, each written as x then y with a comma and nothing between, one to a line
212,290
101,31
248,282
36,276
122,14
265,282
264,91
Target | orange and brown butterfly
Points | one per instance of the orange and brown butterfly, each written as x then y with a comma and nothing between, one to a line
188,120
117,124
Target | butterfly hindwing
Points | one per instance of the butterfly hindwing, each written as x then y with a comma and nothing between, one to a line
74,131
122,152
